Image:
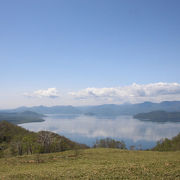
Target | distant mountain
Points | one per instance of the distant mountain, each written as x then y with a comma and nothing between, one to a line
105,109
159,116
50,110
21,117
131,109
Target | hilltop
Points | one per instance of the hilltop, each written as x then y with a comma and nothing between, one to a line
93,164
47,155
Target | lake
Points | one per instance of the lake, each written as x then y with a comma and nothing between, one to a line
86,129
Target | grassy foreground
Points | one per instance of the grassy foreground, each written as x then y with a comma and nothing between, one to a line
93,164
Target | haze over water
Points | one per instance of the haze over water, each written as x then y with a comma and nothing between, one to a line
86,129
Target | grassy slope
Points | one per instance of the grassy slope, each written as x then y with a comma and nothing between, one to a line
94,164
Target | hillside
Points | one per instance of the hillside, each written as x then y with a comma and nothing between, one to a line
159,116
15,140
168,144
21,117
93,164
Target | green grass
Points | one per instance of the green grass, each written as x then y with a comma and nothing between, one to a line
93,164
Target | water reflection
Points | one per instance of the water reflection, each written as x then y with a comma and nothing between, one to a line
85,129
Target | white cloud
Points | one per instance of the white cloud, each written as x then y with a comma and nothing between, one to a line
50,93
133,93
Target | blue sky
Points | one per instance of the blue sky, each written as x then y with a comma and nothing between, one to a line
75,45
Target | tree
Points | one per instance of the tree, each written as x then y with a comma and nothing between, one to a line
17,145
29,143
44,138
132,147
109,143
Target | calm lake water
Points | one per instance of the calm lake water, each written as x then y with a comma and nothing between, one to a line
86,129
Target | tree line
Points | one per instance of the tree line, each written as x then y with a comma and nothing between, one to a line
109,143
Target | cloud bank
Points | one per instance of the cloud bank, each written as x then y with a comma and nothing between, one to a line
133,93
50,93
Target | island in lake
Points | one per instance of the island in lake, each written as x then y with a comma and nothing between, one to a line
159,116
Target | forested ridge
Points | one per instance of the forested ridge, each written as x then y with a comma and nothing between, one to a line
15,140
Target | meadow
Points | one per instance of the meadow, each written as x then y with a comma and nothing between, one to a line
92,164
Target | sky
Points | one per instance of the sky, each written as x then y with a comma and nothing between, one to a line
88,52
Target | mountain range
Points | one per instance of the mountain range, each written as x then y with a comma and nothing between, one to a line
105,109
